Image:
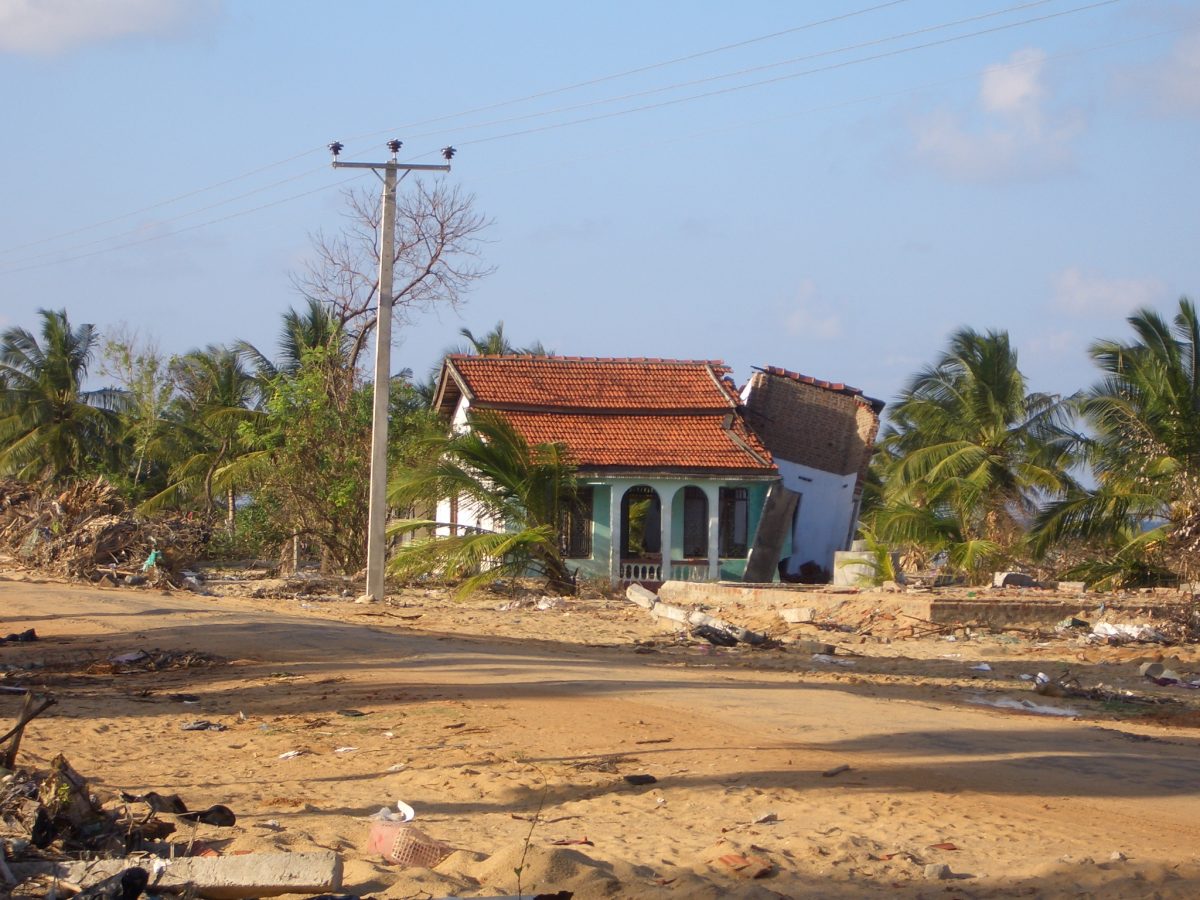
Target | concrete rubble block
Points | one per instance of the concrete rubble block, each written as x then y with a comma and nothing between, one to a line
1012,579
643,597
666,611
798,615
216,877
698,619
745,635
937,872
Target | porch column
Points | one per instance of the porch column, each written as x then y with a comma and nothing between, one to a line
713,493
616,494
666,499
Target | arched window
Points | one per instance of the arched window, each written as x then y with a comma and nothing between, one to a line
735,522
640,518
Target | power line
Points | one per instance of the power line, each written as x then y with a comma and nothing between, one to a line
186,228
646,68
753,84
153,206
421,123
855,101
195,212
847,48
22,268
746,71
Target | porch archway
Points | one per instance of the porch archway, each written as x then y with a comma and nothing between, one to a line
641,524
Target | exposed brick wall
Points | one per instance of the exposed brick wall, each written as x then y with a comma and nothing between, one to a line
811,425
868,430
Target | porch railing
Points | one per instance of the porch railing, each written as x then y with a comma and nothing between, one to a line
683,570
640,570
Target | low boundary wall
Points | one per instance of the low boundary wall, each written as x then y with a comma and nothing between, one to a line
994,608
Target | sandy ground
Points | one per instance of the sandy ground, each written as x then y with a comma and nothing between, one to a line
509,730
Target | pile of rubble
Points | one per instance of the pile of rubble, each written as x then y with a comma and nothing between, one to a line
86,532
59,837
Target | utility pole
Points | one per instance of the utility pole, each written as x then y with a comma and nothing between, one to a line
377,510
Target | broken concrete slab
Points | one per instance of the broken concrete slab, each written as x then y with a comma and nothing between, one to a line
774,528
798,615
216,878
699,619
643,597
662,610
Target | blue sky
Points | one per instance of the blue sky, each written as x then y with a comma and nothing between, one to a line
840,221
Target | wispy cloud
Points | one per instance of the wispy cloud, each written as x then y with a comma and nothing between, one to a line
1055,343
1013,131
805,316
1082,293
1171,85
52,26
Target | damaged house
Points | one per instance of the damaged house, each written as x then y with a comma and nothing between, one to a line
674,478
820,435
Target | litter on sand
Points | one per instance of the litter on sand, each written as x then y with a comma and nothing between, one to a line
1024,706
1118,634
202,725
402,813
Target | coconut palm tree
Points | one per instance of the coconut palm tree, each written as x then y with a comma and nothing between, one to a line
49,425
492,343
970,454
215,395
1144,417
491,469
496,343
313,328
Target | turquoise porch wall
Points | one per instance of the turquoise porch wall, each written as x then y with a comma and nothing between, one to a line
597,565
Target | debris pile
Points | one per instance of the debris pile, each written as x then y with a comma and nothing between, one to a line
52,814
58,835
1183,625
86,532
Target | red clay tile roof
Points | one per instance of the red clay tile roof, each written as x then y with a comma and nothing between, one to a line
591,383
652,441
617,414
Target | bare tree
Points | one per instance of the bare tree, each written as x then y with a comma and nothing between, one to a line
436,260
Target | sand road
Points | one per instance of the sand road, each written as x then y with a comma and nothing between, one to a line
479,731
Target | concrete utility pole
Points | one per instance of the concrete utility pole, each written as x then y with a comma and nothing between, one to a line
377,511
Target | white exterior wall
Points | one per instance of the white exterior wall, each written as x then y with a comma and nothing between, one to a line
458,422
823,515
468,514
